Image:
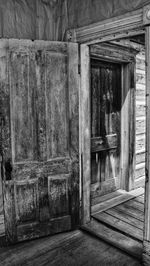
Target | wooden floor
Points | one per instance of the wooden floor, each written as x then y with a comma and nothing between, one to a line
118,219
114,237
68,249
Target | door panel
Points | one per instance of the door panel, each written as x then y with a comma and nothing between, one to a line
40,150
105,126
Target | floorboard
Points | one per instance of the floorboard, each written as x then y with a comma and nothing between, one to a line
126,217
120,225
135,205
97,200
140,199
111,202
131,211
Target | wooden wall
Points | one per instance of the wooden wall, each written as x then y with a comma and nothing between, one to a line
85,12
49,19
140,118
33,19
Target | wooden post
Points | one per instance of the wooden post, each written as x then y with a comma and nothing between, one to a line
128,126
146,241
85,134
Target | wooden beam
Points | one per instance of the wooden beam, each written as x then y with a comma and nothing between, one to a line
85,134
122,26
146,243
113,52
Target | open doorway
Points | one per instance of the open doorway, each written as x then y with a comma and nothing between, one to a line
118,117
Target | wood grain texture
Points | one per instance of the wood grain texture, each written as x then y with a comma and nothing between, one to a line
73,116
120,225
128,219
114,238
56,104
100,143
71,248
132,84
26,201
105,123
116,53
58,195
105,197
147,169
121,197
140,116
128,127
129,210
100,31
85,131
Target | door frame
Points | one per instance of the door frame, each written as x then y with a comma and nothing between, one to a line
129,24
114,54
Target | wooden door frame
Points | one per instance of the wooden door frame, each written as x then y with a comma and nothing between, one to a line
130,24
114,54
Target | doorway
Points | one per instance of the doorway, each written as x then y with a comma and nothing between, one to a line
105,127
117,158
117,114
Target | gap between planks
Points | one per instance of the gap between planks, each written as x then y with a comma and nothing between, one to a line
110,203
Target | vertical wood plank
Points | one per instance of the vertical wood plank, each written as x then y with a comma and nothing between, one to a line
128,127
73,117
132,132
37,76
124,127
73,83
56,99
9,212
146,243
85,129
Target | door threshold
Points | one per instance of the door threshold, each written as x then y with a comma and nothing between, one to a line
115,238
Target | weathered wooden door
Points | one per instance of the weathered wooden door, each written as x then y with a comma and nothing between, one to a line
105,127
39,131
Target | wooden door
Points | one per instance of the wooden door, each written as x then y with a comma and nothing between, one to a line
105,127
39,131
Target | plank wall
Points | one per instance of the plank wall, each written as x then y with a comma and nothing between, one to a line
140,119
84,12
49,19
